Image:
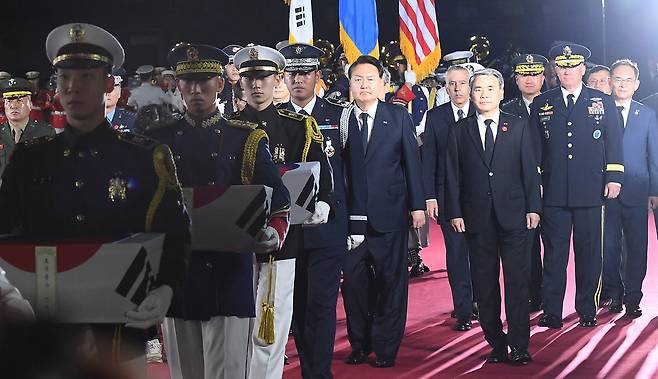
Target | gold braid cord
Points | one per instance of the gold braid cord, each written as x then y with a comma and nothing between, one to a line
266,326
249,155
313,134
163,162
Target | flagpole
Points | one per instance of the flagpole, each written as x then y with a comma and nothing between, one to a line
603,33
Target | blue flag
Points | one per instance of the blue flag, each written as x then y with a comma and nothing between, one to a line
358,28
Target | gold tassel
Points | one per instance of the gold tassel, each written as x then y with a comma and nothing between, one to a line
266,327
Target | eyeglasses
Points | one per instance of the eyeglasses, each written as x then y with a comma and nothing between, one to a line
619,80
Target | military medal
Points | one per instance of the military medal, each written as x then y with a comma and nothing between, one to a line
596,134
329,149
116,189
279,155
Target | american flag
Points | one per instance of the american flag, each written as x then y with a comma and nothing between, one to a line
419,36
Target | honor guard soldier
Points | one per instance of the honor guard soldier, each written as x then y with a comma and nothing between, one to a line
120,119
231,78
19,127
91,180
318,265
582,163
529,77
208,336
292,138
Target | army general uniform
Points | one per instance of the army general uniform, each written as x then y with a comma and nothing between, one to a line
14,89
209,334
292,138
581,146
99,183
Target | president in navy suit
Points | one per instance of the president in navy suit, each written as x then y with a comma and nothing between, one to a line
493,197
395,200
626,217
437,123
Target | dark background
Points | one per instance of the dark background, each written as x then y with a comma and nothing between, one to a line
147,28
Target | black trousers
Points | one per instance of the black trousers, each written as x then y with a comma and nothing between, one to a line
588,250
459,270
486,249
376,306
317,279
535,265
623,274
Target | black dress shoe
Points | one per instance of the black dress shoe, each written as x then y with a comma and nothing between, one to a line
519,356
356,357
615,306
462,325
550,321
383,363
633,311
476,312
587,321
286,360
498,355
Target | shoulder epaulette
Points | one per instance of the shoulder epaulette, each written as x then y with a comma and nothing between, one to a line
241,124
338,102
137,139
290,114
36,141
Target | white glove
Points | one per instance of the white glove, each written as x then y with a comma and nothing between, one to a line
12,303
152,310
321,214
267,240
410,77
354,241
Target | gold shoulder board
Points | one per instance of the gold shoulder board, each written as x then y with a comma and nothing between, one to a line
240,124
136,139
290,114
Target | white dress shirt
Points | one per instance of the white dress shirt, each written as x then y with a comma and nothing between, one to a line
575,94
308,107
625,111
371,117
527,104
455,110
482,127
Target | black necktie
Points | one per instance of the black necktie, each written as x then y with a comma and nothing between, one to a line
620,110
460,114
364,130
488,141
303,112
570,102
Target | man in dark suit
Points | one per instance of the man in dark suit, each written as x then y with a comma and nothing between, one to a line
529,76
438,121
626,216
493,197
394,199
318,266
18,127
582,162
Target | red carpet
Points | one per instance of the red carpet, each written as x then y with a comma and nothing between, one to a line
617,348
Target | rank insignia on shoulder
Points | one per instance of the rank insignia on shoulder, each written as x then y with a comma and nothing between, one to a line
136,139
290,114
240,124
338,102
36,141
547,107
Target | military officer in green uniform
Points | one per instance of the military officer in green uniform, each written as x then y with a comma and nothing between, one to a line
16,94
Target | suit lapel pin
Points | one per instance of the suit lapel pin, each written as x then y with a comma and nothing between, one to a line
385,122
637,112
504,127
